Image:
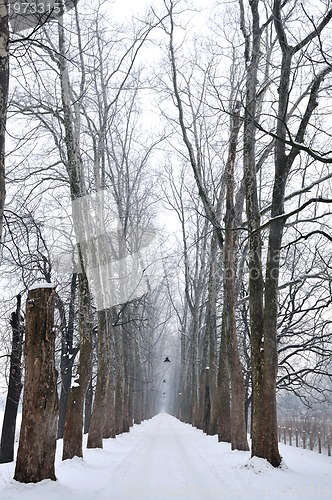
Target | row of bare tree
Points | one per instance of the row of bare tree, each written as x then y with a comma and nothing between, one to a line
83,106
249,289
239,152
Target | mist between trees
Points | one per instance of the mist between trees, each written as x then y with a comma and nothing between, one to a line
170,174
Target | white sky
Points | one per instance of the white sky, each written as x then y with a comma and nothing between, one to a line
126,7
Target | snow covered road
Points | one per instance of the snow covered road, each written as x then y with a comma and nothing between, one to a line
165,459
167,463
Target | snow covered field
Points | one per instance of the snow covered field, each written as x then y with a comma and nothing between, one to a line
165,459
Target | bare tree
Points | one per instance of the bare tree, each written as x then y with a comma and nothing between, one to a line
239,437
4,82
14,386
190,127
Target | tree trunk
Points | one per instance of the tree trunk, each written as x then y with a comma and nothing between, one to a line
14,387
68,355
96,430
202,406
182,389
194,371
238,429
73,434
265,402
224,397
4,82
119,380
212,427
37,445
264,444
127,359
133,388
109,427
88,407
137,388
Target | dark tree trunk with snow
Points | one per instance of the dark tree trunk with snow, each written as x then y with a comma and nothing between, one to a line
14,387
37,445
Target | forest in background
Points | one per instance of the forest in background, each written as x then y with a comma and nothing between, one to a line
170,174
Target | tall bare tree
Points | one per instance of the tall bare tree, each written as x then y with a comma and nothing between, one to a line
14,386
4,83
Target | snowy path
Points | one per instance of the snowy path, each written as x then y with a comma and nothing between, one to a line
167,463
165,459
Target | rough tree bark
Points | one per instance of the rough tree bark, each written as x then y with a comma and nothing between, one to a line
109,430
96,430
73,433
119,380
88,407
37,445
224,395
137,385
68,355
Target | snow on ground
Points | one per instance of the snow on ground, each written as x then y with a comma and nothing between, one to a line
164,458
